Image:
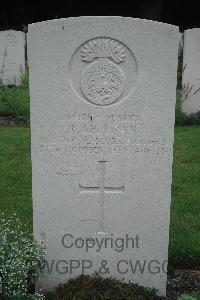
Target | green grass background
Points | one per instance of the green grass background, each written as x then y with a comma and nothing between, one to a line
184,247
18,98
15,101
15,177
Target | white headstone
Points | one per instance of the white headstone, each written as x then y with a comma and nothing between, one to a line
102,116
12,57
191,74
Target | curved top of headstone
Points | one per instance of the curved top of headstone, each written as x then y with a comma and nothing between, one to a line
11,37
103,93
104,54
12,56
192,30
12,31
105,18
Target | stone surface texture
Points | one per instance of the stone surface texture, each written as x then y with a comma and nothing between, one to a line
103,92
12,57
191,74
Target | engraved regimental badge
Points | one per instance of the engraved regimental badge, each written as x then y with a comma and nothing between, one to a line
103,71
103,81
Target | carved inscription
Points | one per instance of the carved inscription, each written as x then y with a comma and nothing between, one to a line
89,134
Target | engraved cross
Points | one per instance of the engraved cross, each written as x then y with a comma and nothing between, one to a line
102,189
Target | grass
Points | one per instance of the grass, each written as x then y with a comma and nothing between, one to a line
185,209
15,178
15,101
195,295
18,103
192,296
184,248
20,100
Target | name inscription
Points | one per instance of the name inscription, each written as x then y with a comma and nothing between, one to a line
88,134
